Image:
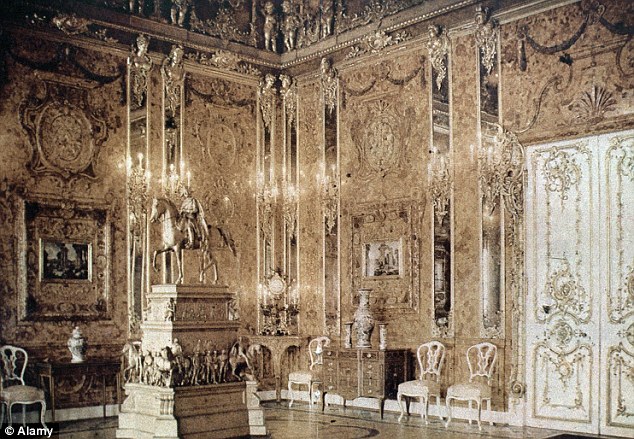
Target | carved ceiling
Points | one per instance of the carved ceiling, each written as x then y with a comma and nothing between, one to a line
271,33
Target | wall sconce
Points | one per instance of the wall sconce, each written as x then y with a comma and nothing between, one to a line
440,181
290,195
501,161
137,185
279,305
266,191
328,184
173,184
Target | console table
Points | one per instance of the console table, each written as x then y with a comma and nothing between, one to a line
353,373
98,368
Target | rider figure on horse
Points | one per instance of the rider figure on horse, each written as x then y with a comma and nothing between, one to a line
191,219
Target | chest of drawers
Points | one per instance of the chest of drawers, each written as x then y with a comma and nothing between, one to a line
353,373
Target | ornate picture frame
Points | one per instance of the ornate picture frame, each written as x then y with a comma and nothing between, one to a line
64,260
379,230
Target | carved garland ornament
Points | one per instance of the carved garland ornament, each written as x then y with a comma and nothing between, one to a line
267,94
289,96
328,85
438,48
173,78
486,39
139,64
375,43
621,366
502,173
571,298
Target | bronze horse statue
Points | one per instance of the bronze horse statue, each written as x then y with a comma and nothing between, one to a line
175,239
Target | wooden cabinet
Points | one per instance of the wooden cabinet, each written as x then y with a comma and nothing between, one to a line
353,373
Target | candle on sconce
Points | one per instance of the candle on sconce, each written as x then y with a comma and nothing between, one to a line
140,156
189,178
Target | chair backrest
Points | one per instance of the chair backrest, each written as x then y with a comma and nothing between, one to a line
481,360
316,349
13,362
431,357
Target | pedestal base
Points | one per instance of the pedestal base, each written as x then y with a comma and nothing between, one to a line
195,412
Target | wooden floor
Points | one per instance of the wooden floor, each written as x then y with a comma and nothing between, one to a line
336,423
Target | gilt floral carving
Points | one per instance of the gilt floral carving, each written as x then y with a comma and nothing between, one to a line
561,171
139,64
329,85
173,73
486,39
438,48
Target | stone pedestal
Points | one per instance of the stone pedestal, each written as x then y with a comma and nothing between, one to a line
256,413
175,398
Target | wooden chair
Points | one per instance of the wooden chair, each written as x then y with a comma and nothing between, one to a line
431,357
13,361
308,377
481,359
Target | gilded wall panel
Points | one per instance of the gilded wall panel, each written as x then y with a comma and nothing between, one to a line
63,143
384,136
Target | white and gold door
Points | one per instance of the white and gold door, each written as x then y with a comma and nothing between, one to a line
580,284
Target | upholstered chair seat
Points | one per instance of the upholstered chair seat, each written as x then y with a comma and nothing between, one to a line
13,390
431,357
481,360
309,378
18,393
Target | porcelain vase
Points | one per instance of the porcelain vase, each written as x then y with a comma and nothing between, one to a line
363,319
77,346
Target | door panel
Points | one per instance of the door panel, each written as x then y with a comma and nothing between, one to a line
562,311
618,322
580,278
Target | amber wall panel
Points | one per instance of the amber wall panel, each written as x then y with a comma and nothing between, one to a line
311,224
583,89
384,141
220,151
56,119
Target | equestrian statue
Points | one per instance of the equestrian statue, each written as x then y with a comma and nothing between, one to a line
187,229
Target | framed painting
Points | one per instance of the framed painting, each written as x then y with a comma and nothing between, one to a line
385,253
64,261
382,259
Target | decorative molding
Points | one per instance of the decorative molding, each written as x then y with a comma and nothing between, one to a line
173,74
73,25
375,43
561,171
438,49
64,221
486,38
329,84
620,376
267,95
394,221
224,60
139,65
224,26
65,133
